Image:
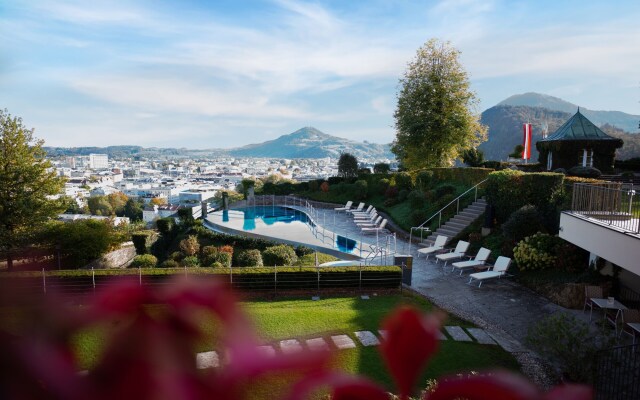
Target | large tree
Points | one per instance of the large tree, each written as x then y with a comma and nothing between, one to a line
436,116
348,166
26,181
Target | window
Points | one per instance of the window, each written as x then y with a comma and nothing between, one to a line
549,161
587,158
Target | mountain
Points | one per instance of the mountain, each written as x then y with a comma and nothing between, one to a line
309,142
624,121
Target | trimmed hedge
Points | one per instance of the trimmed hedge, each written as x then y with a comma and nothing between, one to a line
143,240
249,258
144,261
467,176
279,255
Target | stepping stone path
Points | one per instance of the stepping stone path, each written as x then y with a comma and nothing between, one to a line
317,344
481,336
457,333
367,338
343,342
290,346
267,351
208,359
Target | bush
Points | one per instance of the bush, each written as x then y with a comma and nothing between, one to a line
524,222
143,240
360,189
144,261
402,195
176,256
391,192
424,180
191,262
570,343
464,176
383,185
166,226
560,171
190,245
403,181
249,258
537,252
314,186
82,241
170,264
417,199
381,168
584,172
628,175
302,251
445,189
279,255
418,217
213,254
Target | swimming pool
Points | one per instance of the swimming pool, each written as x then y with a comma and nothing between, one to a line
285,224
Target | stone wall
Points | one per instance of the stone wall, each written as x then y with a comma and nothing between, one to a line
120,258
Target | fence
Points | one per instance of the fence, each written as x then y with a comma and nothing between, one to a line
246,279
617,375
612,204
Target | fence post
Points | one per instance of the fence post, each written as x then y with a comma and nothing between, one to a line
44,282
275,280
360,279
140,276
318,271
93,279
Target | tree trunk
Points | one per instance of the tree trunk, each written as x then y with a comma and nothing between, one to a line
9,261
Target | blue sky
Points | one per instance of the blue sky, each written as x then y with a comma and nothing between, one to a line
228,73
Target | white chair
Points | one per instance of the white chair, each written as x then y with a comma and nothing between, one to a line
377,229
371,224
478,261
458,252
345,208
591,291
365,215
438,245
499,269
359,208
366,212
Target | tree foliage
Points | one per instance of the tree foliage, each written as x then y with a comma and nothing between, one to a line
381,168
473,157
26,179
436,118
347,166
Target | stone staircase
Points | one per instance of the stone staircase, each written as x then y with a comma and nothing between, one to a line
455,225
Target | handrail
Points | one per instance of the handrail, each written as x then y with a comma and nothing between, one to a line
439,212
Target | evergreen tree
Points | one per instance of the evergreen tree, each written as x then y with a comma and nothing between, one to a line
347,166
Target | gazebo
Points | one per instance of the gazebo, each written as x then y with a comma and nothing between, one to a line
578,142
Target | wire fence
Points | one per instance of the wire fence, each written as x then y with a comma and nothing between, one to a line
617,375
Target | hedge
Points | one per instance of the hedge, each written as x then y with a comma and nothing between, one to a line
468,176
143,240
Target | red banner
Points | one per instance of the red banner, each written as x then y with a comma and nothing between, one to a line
526,154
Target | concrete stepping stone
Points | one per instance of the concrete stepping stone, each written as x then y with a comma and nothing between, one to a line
208,359
343,342
266,350
367,338
317,344
481,336
290,346
383,334
364,297
441,336
457,333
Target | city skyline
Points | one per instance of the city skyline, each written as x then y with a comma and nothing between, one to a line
226,75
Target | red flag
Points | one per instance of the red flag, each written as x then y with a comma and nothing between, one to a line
526,154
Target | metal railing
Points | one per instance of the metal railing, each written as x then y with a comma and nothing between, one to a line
323,226
617,373
613,204
449,207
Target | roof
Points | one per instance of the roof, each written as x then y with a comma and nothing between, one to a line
578,127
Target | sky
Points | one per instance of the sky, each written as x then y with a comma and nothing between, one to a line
226,73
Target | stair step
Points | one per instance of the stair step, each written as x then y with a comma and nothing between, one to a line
456,224
448,232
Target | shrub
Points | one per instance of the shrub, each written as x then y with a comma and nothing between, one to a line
142,241
473,157
176,256
216,265
226,249
390,202
628,175
324,187
249,258
213,254
424,180
302,251
360,189
464,176
190,246
418,217
402,195
314,186
537,252
144,261
381,168
584,172
383,185
191,262
403,181
560,171
445,189
417,199
279,255
523,222
166,226
391,192
170,264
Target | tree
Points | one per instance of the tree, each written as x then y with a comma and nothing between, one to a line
190,245
158,201
348,166
436,118
99,205
133,210
473,157
517,151
381,168
26,179
118,200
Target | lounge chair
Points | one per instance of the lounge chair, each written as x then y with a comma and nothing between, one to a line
631,323
437,246
499,269
365,215
377,229
458,252
371,224
368,211
345,208
369,220
591,291
360,207
478,261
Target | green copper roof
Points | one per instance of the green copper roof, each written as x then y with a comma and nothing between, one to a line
578,127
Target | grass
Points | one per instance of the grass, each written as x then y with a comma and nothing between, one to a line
302,319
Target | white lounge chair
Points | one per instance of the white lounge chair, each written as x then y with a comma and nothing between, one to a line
372,224
499,269
458,252
478,261
365,215
359,208
367,212
438,245
345,208
369,220
379,228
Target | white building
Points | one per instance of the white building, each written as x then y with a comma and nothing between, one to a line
98,161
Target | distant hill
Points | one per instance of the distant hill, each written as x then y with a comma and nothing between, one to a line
309,142
624,121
